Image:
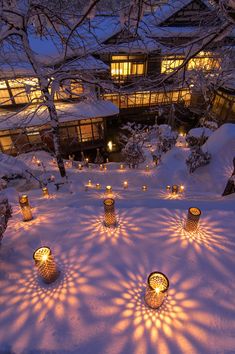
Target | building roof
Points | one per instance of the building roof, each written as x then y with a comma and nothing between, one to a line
67,112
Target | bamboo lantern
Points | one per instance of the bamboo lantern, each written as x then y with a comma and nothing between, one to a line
105,168
98,186
156,290
109,213
108,190
147,169
101,167
181,188
89,183
80,167
125,184
122,167
45,264
25,208
45,192
38,162
175,189
144,188
192,219
86,162
168,188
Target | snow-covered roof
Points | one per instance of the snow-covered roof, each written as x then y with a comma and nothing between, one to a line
67,112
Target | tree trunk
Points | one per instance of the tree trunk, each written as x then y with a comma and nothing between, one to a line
230,186
5,214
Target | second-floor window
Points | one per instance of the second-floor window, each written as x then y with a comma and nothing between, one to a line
124,66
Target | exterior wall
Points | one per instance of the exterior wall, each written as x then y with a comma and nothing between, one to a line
75,136
224,106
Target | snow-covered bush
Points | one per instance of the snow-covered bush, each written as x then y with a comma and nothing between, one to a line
197,158
165,140
5,214
99,158
3,184
198,136
208,123
133,141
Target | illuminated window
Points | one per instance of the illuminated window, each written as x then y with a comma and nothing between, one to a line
6,143
86,132
169,64
124,65
204,61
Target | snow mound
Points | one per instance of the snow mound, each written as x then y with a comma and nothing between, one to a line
10,165
221,140
198,132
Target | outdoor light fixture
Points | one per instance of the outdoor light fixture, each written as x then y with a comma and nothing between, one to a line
45,264
144,188
101,167
25,208
98,186
38,162
192,219
168,188
109,213
175,189
147,168
45,192
108,190
156,290
122,167
110,145
89,183
105,168
125,184
80,166
181,188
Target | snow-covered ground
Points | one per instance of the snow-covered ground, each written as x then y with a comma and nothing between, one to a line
97,306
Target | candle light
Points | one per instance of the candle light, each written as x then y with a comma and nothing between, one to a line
98,186
125,184
45,192
181,188
168,188
122,167
156,290
38,162
105,168
192,219
147,168
89,183
109,213
25,208
45,264
108,189
101,167
144,188
175,189
80,166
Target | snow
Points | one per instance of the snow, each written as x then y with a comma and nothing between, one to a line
10,166
35,115
198,132
97,303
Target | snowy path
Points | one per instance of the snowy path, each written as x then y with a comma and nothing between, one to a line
96,306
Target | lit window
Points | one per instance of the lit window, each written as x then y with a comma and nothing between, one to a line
169,64
34,138
6,143
123,65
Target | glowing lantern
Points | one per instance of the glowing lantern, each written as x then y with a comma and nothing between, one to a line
168,188
122,167
25,208
109,213
192,219
45,264
101,167
108,190
125,184
80,167
156,290
105,168
98,186
175,189
38,162
181,188
144,188
89,183
147,168
110,145
45,192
